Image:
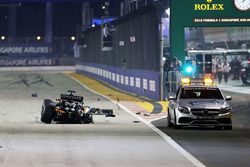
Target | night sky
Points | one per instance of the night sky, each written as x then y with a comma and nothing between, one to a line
66,16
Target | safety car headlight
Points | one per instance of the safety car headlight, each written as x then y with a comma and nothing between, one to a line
183,110
225,110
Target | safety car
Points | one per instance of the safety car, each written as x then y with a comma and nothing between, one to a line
199,102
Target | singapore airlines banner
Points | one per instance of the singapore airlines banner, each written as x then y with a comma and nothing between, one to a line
26,55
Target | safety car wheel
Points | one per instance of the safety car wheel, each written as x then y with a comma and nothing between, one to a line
170,124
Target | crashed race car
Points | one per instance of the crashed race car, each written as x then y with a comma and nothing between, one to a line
70,109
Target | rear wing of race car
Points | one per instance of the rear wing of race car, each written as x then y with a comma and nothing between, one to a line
71,98
98,111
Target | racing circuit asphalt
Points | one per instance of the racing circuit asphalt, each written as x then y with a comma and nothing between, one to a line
119,141
113,142
218,148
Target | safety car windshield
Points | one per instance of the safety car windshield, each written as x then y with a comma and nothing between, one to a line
200,93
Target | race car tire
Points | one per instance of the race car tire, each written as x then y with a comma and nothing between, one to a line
47,111
87,119
170,124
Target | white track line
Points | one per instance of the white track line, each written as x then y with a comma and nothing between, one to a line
168,139
156,119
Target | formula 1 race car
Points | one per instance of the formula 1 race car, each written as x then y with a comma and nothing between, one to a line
70,109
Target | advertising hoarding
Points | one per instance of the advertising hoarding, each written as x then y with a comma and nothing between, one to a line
204,13
26,55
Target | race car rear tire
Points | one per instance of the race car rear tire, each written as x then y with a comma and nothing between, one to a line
47,111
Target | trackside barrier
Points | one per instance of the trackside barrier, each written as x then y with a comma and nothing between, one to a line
139,82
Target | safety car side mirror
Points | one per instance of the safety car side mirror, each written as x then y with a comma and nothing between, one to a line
228,98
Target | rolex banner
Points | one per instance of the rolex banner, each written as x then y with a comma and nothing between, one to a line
204,13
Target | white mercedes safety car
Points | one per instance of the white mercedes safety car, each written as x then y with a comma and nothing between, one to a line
199,102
